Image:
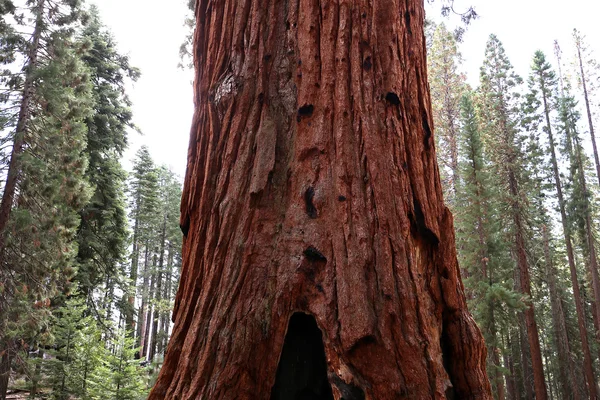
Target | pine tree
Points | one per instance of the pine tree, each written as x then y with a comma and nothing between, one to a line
45,185
447,84
170,241
541,102
499,102
580,207
120,376
580,204
102,234
587,75
482,250
144,213
76,351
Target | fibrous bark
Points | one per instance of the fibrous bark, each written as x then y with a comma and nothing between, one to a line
312,187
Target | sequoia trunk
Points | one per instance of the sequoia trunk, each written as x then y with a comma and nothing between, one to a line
312,191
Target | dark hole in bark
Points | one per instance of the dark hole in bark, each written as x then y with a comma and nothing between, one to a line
367,64
427,129
392,98
445,346
306,110
407,18
185,226
348,391
419,219
314,255
302,369
341,198
311,210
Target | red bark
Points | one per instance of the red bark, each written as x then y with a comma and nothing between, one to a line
312,187
525,288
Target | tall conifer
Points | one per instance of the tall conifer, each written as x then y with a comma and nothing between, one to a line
500,98
45,185
540,103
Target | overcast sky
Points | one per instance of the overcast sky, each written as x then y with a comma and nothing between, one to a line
151,31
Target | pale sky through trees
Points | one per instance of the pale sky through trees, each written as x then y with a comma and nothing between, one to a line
151,32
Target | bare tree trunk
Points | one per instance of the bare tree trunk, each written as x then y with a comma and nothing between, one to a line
548,377
158,296
587,359
511,386
165,317
149,313
525,288
526,371
588,109
312,189
568,383
133,272
141,323
591,243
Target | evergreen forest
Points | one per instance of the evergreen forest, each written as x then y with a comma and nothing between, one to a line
520,171
91,253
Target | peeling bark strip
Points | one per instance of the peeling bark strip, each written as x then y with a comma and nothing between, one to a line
369,251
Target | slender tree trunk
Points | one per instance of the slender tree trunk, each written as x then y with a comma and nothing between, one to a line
158,297
133,273
312,194
109,296
527,374
141,329
593,260
5,361
13,172
525,288
498,375
149,313
166,318
547,363
12,176
453,143
487,276
568,383
511,386
588,110
587,359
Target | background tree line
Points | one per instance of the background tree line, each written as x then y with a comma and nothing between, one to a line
514,160
89,254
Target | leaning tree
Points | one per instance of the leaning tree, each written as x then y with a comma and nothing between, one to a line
318,259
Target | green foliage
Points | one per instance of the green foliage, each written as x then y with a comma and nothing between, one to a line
120,376
80,362
66,116
103,232
49,165
447,84
75,352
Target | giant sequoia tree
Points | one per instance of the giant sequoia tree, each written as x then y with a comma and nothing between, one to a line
319,258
